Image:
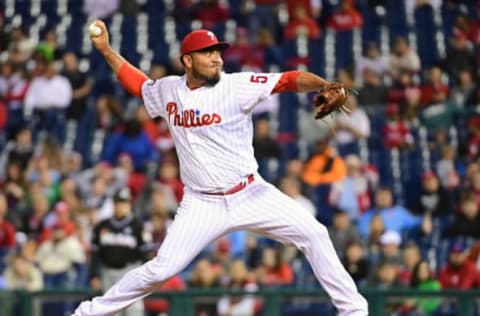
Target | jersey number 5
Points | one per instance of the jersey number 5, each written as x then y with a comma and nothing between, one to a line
258,78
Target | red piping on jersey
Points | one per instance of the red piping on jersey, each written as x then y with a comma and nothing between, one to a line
131,79
287,82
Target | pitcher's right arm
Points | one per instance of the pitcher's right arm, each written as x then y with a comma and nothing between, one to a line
129,76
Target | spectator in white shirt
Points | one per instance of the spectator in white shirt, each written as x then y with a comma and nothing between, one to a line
291,187
352,128
47,97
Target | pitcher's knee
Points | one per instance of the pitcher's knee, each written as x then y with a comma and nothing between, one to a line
160,269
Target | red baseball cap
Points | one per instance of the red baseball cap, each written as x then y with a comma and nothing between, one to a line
201,39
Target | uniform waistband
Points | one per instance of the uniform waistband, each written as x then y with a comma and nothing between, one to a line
235,189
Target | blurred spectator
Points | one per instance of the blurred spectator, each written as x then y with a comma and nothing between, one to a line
395,217
459,273
168,174
61,217
372,64
391,251
439,117
21,45
403,88
239,279
13,88
266,52
49,46
97,201
117,247
353,193
291,186
376,229
474,138
205,275
411,257
100,9
239,52
265,148
7,231
346,76
373,91
136,181
35,219
436,90
253,256
463,88
433,199
446,169
356,263
183,11
221,254
109,113
403,58
324,166
351,128
342,232
396,131
346,18
385,276
211,13
22,151
157,306
4,35
466,222
133,141
261,14
57,257
81,83
47,97
273,271
21,274
15,188
423,278
459,55
301,24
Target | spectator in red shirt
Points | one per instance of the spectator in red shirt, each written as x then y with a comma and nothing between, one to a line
62,218
459,273
396,131
346,18
156,306
273,271
168,175
435,91
301,24
7,231
240,52
211,13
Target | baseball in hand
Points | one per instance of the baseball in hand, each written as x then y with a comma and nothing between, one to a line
94,30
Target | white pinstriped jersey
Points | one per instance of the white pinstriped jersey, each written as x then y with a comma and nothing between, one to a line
211,126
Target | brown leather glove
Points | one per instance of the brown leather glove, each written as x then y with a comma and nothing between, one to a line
330,98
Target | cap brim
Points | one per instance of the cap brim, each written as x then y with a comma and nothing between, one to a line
220,45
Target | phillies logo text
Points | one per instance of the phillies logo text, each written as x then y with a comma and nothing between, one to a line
191,118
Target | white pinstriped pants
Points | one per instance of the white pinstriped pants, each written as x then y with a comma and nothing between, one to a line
202,218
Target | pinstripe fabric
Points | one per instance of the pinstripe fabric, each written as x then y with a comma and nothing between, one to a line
202,218
212,157
216,154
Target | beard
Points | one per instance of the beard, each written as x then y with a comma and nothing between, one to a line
210,81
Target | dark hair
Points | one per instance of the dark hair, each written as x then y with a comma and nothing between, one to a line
132,128
415,281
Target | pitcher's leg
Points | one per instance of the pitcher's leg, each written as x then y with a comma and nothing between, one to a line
266,210
195,226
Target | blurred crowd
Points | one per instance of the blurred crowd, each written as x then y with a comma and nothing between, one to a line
89,183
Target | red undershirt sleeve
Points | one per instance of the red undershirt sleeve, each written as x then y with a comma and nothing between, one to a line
131,79
287,82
